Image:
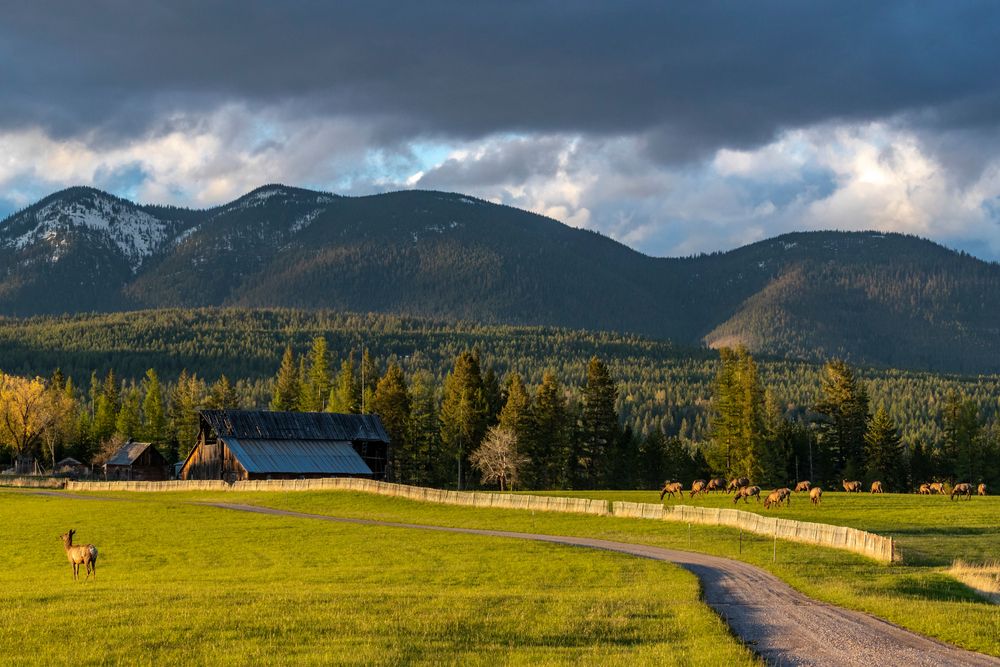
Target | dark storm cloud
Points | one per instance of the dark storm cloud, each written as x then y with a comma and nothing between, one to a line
688,77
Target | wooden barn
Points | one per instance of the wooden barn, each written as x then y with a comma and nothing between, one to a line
136,461
254,444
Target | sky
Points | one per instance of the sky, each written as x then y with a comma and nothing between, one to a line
675,128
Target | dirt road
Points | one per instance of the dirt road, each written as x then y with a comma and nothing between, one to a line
780,624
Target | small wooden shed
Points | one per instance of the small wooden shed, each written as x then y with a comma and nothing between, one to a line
255,444
72,467
136,461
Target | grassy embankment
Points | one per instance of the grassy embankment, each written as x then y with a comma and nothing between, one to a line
918,595
187,584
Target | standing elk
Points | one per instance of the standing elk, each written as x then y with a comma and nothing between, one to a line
84,554
924,490
877,487
962,490
737,483
802,486
816,495
671,488
851,487
937,487
697,486
745,492
776,497
981,489
717,484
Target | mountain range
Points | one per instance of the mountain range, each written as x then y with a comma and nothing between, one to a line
872,298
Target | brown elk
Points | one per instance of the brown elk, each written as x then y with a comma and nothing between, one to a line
745,492
84,554
697,486
937,487
981,489
802,486
924,490
737,483
851,487
877,487
962,490
671,488
778,496
816,495
717,484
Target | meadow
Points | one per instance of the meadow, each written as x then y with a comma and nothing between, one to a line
180,583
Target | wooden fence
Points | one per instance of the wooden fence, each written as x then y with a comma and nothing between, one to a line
836,537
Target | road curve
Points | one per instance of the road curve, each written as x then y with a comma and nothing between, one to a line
780,624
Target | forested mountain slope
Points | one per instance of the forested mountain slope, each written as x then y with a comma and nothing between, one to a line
881,299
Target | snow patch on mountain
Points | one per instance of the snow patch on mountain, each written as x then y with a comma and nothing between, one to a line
305,220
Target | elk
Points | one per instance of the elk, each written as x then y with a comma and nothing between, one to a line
962,490
802,486
737,483
877,487
981,489
697,486
777,496
937,487
671,488
717,484
924,490
816,495
851,487
745,492
85,554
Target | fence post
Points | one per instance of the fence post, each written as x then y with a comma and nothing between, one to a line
774,549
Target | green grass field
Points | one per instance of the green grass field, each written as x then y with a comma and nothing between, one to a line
917,595
187,584
930,530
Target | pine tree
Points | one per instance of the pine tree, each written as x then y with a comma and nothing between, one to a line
186,400
464,412
286,385
599,427
129,423
154,425
222,395
737,416
961,457
423,434
494,397
515,416
547,447
391,403
843,420
345,395
884,451
317,380
369,380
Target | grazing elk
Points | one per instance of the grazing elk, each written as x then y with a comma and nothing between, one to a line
802,486
962,490
981,490
816,495
877,487
745,492
937,487
84,554
737,483
924,490
851,487
671,488
717,484
697,486
778,496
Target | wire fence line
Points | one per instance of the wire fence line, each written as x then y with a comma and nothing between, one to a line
874,546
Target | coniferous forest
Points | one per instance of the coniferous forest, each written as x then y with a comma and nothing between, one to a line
557,408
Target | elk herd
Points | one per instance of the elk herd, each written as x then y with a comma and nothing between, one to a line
741,488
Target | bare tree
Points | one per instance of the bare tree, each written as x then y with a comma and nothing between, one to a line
497,459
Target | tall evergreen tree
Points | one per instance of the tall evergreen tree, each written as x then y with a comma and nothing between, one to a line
423,434
737,416
286,386
317,380
154,420
222,395
599,427
369,380
960,456
494,396
464,412
186,400
345,395
547,447
128,423
843,420
884,451
391,403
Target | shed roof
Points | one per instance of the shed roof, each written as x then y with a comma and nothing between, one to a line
264,425
128,453
297,456
69,461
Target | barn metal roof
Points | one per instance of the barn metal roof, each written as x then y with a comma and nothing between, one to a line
263,425
297,456
128,453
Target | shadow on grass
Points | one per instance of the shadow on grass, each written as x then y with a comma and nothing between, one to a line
931,586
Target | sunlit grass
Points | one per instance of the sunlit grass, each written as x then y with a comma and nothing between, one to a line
188,584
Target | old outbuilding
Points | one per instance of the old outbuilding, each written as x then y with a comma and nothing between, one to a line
255,444
136,461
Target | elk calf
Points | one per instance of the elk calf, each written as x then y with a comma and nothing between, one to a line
816,495
85,554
